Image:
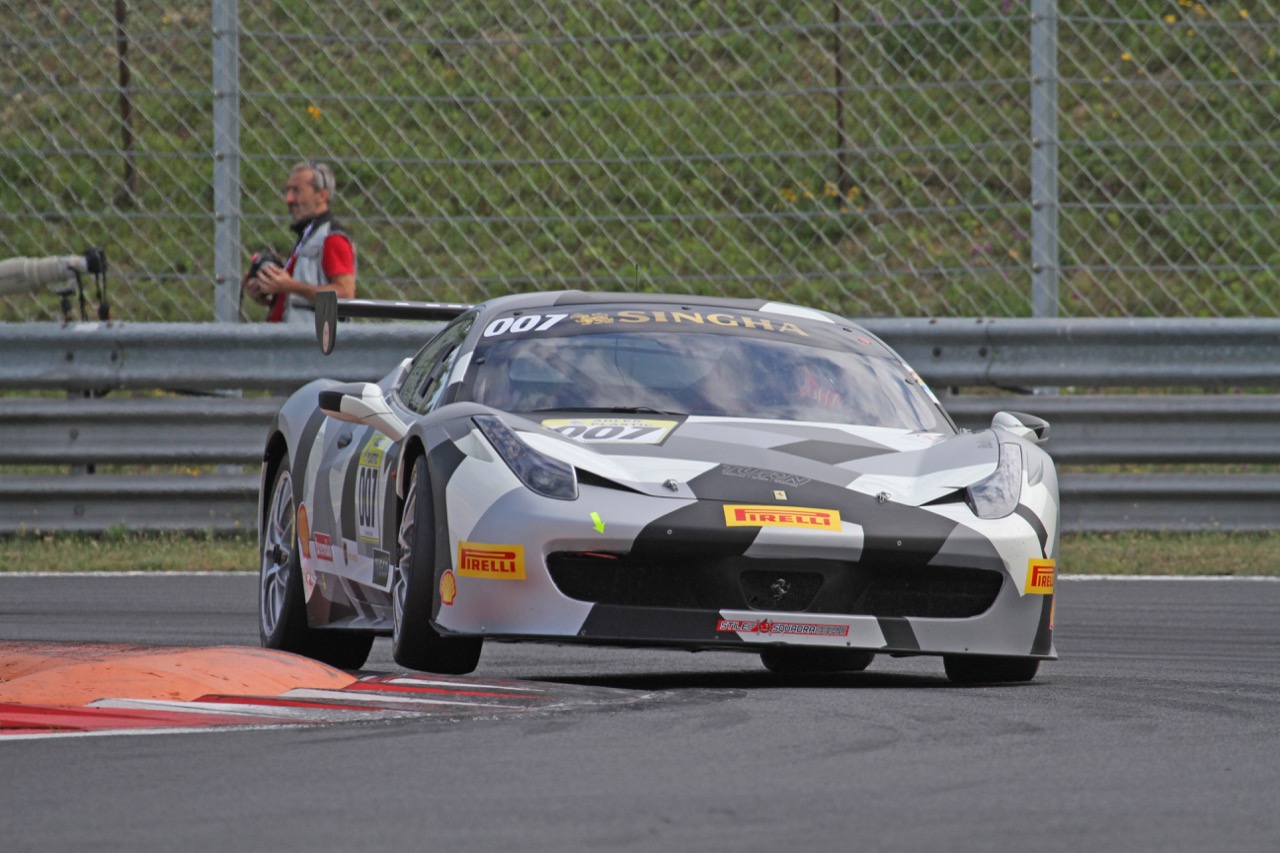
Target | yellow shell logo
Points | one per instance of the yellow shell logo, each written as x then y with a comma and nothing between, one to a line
448,587
304,531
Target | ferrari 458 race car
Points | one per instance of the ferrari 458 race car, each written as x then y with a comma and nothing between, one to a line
663,471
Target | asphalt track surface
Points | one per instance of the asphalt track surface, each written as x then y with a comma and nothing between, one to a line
1159,729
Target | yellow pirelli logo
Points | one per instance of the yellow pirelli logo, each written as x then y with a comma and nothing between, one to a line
502,562
1040,577
745,515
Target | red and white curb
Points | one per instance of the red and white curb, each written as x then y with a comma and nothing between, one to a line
368,698
67,689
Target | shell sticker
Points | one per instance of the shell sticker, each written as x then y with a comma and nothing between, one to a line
448,588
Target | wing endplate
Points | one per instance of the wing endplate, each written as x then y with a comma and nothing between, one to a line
330,309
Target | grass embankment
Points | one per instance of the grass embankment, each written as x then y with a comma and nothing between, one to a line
1081,553
483,148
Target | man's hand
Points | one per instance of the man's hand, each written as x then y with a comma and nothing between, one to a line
273,279
253,287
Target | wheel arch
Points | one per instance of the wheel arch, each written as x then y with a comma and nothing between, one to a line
413,448
276,451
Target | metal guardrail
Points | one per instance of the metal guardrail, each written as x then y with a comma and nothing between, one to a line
1025,353
1087,430
1016,353
1111,502
223,503
228,430
117,430
1146,429
93,503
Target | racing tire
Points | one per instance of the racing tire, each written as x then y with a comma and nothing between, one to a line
282,607
790,661
985,669
415,643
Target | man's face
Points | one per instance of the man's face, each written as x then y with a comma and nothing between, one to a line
303,199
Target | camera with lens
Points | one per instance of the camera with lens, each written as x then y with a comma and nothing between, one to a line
262,259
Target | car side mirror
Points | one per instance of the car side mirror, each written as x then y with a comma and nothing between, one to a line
363,403
1022,425
326,311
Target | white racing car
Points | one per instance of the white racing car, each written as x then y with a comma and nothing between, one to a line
663,471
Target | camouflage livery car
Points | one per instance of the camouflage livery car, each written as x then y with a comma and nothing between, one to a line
662,471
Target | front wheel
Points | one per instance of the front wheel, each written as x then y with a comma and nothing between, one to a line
414,642
982,669
282,607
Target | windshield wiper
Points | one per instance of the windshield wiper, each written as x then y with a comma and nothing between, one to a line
630,410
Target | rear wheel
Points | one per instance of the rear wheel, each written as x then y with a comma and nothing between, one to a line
981,669
414,642
282,607
793,660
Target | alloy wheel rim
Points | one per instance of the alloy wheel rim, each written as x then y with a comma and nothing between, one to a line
277,554
404,539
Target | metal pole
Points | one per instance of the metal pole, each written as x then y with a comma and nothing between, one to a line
125,195
843,182
1044,158
226,160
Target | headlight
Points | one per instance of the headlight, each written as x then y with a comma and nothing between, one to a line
997,495
541,473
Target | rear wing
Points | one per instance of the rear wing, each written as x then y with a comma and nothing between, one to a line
330,309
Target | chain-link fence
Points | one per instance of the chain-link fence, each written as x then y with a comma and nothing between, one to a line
877,158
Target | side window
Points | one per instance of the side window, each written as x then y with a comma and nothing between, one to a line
435,380
424,380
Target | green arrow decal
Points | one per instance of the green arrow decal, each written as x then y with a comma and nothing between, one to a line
595,519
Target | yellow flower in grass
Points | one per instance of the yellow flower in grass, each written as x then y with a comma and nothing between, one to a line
313,111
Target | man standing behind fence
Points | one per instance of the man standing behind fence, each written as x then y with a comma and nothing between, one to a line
323,258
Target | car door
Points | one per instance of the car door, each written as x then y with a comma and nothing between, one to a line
363,471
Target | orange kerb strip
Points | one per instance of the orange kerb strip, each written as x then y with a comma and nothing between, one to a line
79,673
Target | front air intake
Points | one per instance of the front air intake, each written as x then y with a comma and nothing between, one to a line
742,583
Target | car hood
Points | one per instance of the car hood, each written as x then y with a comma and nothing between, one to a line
734,459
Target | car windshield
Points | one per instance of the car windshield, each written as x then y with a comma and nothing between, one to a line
705,373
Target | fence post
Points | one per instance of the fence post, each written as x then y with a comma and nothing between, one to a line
1044,158
226,160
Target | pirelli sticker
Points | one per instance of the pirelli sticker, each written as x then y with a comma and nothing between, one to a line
807,518
500,562
612,430
1040,577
